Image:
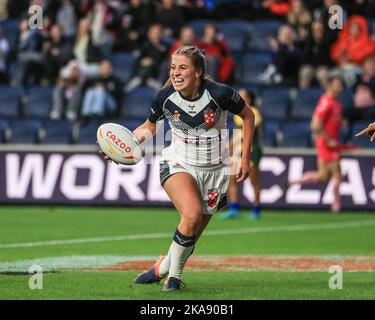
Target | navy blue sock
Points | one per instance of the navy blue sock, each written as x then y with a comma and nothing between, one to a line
234,206
183,240
256,210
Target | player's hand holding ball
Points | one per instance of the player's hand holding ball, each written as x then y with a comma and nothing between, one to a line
119,144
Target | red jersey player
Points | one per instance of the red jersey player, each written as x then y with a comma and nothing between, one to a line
326,123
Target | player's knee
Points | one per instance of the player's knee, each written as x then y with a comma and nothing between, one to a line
323,177
192,219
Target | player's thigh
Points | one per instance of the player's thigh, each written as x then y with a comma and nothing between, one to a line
336,169
183,191
324,170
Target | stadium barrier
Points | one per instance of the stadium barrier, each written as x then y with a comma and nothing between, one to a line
61,175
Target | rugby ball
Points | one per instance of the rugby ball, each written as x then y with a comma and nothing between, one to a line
119,144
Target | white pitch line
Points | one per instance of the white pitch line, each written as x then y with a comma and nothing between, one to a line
298,227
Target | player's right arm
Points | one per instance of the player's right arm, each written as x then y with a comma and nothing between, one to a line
370,131
146,130
317,127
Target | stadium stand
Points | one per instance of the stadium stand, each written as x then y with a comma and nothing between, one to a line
137,103
275,103
236,33
38,102
87,131
306,102
261,32
123,64
271,133
248,38
57,132
25,131
10,101
199,25
296,134
3,127
253,64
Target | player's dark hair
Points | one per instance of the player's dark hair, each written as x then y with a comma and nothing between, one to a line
333,77
197,57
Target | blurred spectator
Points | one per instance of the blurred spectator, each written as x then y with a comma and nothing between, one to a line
139,16
316,60
353,46
322,13
67,94
57,52
219,62
193,9
104,24
299,15
171,17
152,54
286,59
133,25
87,54
277,7
364,93
3,9
187,38
103,96
359,7
17,8
4,50
30,54
67,19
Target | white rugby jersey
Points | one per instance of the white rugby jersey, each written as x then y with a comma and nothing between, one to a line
198,126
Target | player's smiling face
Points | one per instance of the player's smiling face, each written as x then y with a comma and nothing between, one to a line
184,76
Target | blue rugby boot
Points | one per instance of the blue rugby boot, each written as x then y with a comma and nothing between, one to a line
152,275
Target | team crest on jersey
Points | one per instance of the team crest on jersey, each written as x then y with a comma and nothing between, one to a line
176,116
212,197
209,116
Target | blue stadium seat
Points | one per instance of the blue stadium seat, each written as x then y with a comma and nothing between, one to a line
57,132
131,124
275,103
137,103
306,102
296,134
346,99
261,31
123,64
11,31
268,139
199,25
38,103
362,141
87,131
25,131
236,33
10,100
3,127
253,64
271,129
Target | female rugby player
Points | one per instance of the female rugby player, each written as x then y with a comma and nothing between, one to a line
194,168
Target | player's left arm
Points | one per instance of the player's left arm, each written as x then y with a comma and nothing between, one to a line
248,126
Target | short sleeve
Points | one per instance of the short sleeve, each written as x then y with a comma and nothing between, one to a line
232,101
322,110
156,109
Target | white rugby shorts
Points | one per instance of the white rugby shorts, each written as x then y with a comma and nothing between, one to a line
212,183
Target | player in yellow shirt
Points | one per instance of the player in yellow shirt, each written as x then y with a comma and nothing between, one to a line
233,211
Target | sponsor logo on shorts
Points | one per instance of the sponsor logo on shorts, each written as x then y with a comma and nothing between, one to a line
212,197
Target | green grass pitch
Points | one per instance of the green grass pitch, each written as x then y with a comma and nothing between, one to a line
74,243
